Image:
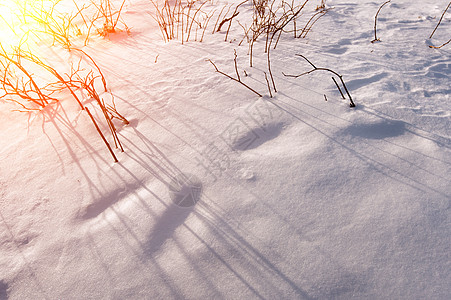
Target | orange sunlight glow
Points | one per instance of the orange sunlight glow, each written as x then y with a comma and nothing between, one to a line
13,23
18,23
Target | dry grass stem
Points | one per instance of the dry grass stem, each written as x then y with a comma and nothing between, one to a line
375,22
235,79
446,9
352,104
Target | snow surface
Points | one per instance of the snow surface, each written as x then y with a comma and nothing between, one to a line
291,197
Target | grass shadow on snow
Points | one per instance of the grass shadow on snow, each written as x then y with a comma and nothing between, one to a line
3,290
379,130
173,217
250,257
255,137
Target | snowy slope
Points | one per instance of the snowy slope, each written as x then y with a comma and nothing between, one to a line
294,197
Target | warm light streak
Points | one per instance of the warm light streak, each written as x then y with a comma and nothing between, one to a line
18,22
13,23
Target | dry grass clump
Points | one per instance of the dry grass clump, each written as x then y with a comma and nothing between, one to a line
50,19
34,84
105,17
31,92
322,5
270,20
19,84
183,19
179,19
50,22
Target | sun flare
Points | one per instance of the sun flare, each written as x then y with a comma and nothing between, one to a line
19,21
14,26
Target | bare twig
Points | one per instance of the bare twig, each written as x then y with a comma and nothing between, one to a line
95,64
375,21
338,87
194,18
440,21
307,28
101,135
267,83
284,21
28,90
234,79
235,13
352,104
219,16
236,66
206,24
226,20
105,11
438,47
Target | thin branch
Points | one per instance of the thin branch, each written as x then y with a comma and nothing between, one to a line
226,20
236,66
234,79
352,104
438,47
312,19
219,16
284,22
267,83
230,23
101,135
440,21
338,87
95,64
375,21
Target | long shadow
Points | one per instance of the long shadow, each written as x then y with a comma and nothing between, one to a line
155,161
136,253
34,278
382,130
385,121
104,201
240,241
173,217
376,165
438,139
228,235
3,290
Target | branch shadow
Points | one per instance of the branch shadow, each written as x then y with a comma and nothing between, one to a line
28,267
3,290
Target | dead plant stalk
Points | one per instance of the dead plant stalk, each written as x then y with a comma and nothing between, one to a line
375,22
235,79
352,104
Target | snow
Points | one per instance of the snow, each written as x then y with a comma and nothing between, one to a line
293,197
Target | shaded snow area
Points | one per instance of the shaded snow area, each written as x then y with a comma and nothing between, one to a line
222,194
